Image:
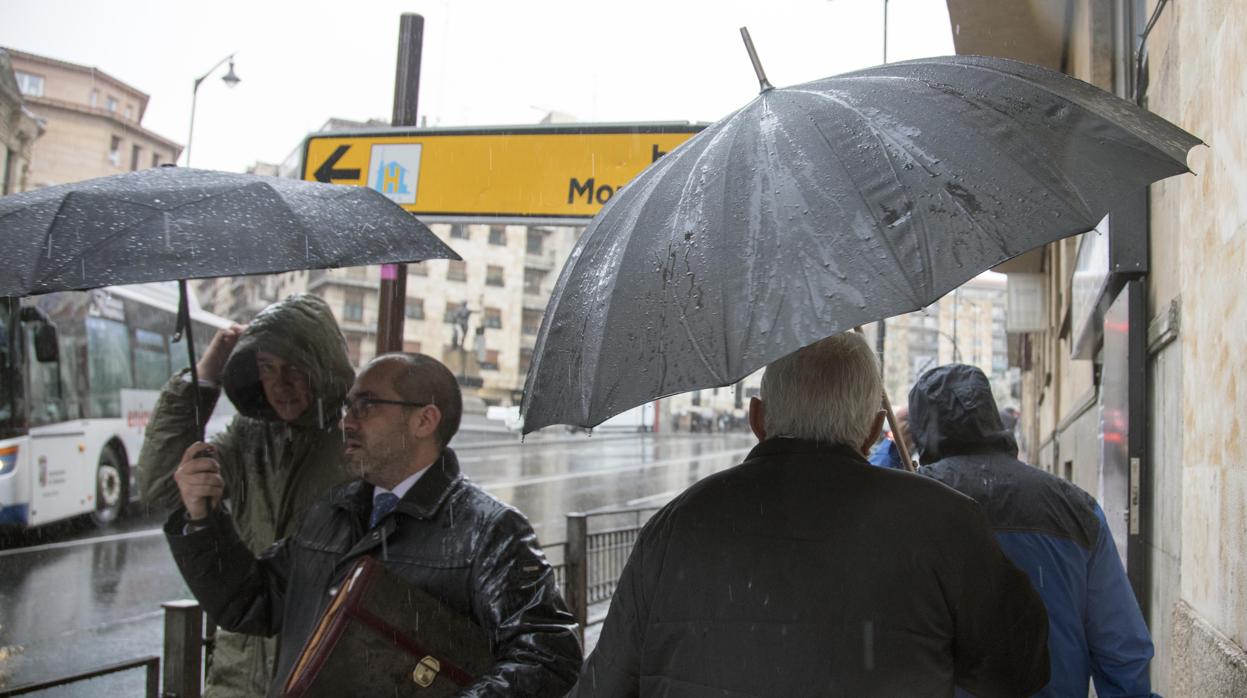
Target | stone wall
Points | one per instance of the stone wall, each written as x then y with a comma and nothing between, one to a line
1199,81
1211,665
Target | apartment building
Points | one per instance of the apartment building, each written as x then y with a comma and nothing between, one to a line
479,316
93,122
966,326
19,128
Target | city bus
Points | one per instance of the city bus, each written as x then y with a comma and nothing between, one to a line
79,376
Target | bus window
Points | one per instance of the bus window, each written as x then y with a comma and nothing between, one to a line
108,365
74,368
151,360
46,405
10,375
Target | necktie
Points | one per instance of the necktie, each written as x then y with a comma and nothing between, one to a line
382,504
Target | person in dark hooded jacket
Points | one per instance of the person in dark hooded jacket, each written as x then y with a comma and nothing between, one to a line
1047,526
287,373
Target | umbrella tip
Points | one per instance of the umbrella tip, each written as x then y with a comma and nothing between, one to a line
757,64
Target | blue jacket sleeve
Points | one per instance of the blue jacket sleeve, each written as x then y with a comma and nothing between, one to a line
1117,636
886,455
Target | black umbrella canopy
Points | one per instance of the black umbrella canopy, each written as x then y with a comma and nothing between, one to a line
176,223
824,206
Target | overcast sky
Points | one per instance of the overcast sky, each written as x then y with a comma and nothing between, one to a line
486,62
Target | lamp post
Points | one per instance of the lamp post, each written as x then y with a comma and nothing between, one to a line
230,79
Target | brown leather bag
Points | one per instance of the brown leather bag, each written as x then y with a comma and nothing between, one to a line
381,636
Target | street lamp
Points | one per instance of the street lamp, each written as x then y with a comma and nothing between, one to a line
230,79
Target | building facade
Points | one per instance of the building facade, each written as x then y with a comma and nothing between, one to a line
1131,365
19,128
93,122
479,316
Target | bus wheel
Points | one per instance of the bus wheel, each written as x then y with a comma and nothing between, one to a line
110,489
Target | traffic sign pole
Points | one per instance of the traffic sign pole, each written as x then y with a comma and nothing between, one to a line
392,299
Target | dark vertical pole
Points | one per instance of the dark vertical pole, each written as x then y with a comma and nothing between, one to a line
153,679
1140,492
183,649
392,299
576,570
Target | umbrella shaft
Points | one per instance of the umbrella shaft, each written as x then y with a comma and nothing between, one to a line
757,64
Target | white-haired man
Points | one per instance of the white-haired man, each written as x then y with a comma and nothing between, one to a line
806,571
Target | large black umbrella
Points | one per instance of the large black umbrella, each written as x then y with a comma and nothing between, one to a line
172,223
824,206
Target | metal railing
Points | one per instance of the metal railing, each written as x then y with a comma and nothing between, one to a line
183,659
151,664
597,548
556,555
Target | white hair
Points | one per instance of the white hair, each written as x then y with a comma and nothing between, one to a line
829,391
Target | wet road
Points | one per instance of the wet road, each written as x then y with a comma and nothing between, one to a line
73,599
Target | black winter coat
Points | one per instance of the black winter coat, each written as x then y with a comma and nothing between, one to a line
448,537
806,571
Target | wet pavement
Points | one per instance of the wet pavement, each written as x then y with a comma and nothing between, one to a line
73,598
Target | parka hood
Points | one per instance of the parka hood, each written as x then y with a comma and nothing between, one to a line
952,412
300,329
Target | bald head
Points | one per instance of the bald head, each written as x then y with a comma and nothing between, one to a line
422,378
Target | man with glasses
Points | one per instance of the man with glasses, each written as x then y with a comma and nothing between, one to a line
414,512
287,373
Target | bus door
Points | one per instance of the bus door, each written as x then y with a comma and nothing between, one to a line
55,444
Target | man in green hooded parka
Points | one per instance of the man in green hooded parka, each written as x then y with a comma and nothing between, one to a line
287,373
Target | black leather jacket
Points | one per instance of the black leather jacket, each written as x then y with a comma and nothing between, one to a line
477,555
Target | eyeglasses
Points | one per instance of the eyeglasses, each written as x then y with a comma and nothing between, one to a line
361,407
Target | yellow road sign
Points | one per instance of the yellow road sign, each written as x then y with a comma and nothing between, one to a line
521,172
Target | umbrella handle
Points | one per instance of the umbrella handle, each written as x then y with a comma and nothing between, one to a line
897,437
